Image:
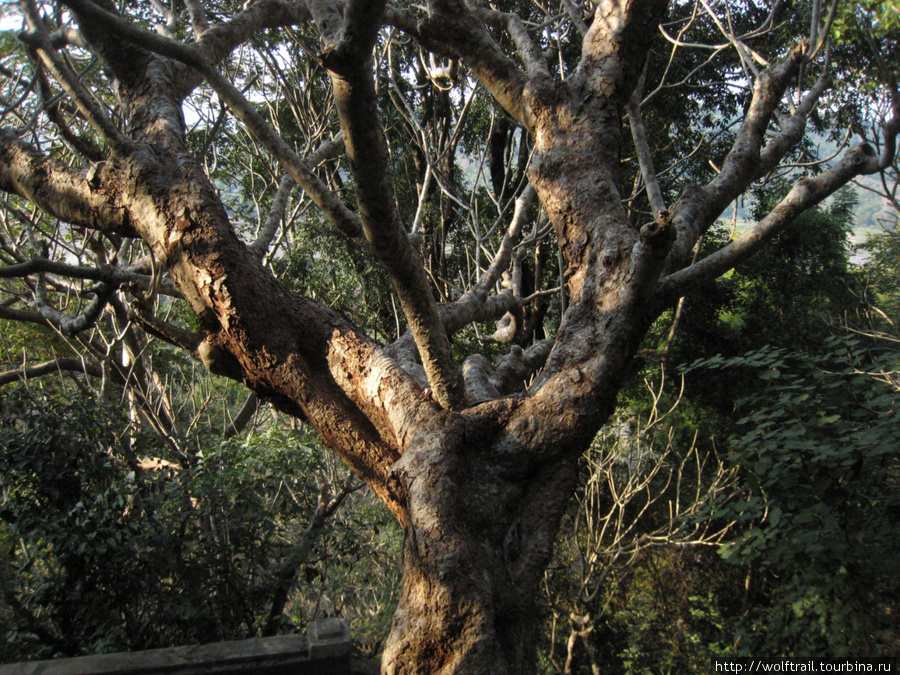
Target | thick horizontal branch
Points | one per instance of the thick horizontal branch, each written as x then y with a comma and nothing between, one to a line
58,189
23,316
220,40
51,368
72,325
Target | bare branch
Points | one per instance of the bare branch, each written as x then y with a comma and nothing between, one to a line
806,193
574,12
245,414
52,106
198,17
39,39
452,29
218,41
69,325
58,189
464,310
51,368
300,552
276,214
532,57
24,316
352,74
187,340
108,274
698,208
642,148
345,220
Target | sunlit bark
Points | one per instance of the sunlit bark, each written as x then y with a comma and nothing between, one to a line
477,461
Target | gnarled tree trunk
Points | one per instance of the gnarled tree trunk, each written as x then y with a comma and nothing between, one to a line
477,462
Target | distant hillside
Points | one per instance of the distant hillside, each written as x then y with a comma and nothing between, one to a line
874,213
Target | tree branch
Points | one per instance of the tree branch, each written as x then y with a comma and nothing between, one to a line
69,325
108,274
453,29
615,47
23,316
276,214
647,256
698,208
39,39
53,108
642,148
49,368
514,369
218,41
345,220
245,414
197,13
466,308
806,193
182,338
532,57
351,69
299,553
58,189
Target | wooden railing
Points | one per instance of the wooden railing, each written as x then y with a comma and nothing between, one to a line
324,650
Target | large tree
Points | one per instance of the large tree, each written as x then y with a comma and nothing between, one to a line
477,460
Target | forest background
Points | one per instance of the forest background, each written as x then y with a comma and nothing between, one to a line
743,499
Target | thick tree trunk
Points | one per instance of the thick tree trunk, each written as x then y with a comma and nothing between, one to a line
482,519
479,476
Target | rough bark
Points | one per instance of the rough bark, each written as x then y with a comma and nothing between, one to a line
477,468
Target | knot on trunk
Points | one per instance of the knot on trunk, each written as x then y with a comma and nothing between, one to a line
658,236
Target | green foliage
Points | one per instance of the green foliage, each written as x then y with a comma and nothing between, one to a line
818,520
880,17
642,593
102,554
787,296
881,272
675,613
